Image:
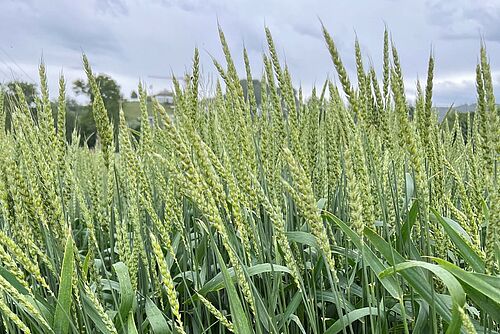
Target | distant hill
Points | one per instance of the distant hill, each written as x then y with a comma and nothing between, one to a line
464,108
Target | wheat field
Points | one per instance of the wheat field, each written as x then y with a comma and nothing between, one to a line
349,211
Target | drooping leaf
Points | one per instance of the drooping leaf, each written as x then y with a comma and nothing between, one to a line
456,291
483,289
413,276
349,318
217,282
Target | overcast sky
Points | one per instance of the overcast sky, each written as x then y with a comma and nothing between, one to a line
137,39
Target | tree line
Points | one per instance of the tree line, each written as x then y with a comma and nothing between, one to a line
78,116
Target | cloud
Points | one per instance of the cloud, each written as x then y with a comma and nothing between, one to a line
132,39
90,39
112,7
466,19
196,5
308,30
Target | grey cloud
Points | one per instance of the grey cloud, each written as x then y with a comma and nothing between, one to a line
307,29
487,20
195,5
466,19
80,29
135,38
460,90
94,40
253,41
24,3
441,13
112,7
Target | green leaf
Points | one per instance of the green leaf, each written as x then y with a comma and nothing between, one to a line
131,329
90,311
156,318
62,315
290,309
87,262
321,203
126,293
458,228
422,318
44,310
472,258
238,315
304,238
486,284
217,282
349,318
389,283
410,186
456,291
483,289
262,312
296,319
308,239
329,297
413,276
13,280
408,225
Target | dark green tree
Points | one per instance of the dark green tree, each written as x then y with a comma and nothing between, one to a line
110,92
11,97
256,90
